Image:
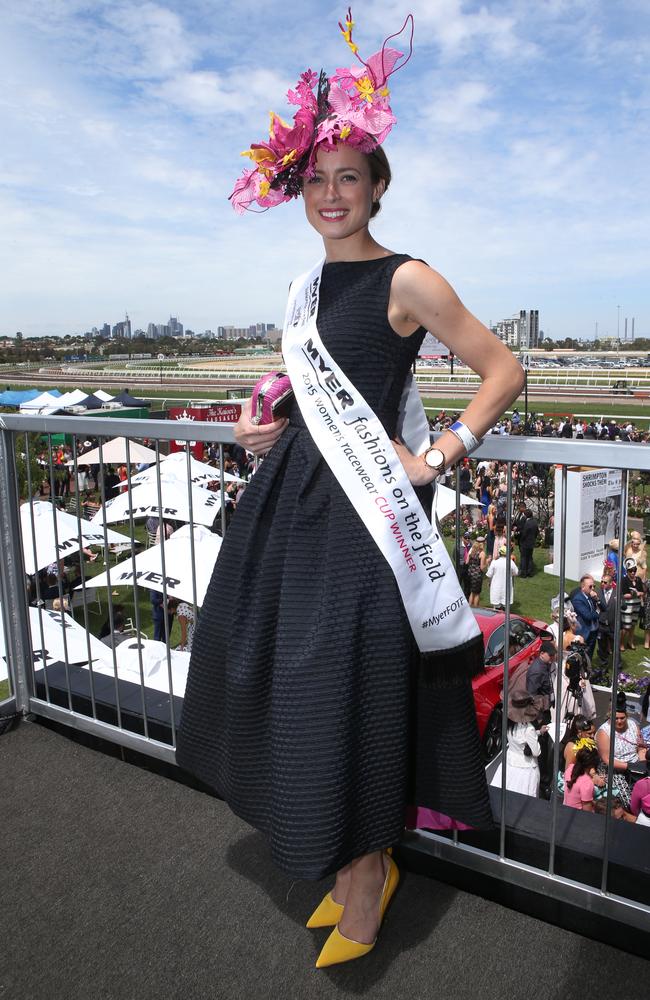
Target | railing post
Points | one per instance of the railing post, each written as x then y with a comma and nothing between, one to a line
15,613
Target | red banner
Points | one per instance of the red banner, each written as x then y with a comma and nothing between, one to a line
216,413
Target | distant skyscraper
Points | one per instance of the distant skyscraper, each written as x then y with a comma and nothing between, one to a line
175,328
519,332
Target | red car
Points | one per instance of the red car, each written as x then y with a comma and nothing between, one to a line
526,637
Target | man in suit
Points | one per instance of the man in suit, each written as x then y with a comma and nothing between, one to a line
585,604
528,532
606,618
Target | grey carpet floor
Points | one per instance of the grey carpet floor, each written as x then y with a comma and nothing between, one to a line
119,884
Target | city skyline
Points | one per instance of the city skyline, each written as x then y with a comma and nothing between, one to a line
519,158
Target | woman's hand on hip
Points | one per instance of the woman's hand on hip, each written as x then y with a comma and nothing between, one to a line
419,473
258,438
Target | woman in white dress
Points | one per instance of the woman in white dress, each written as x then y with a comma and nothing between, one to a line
497,574
522,768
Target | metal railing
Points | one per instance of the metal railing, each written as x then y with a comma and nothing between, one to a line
100,700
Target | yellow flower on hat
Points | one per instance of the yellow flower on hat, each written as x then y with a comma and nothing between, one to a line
366,87
345,131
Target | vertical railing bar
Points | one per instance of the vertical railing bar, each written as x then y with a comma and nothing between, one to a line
164,583
58,577
506,666
84,599
222,487
457,535
558,680
616,658
107,563
136,594
15,610
39,599
192,552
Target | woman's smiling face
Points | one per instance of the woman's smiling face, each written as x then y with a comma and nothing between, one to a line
339,197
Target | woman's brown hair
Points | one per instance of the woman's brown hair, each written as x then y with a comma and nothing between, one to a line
379,171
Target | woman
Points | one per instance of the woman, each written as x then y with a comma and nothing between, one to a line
497,573
522,766
635,549
640,801
491,517
633,594
628,749
187,621
305,673
579,729
499,537
476,567
579,778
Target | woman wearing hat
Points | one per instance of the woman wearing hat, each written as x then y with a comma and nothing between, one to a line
315,691
633,595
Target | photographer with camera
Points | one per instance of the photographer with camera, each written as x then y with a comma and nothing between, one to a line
577,695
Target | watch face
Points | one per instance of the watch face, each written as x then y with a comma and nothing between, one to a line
434,458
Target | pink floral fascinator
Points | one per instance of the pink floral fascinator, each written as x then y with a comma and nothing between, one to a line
351,106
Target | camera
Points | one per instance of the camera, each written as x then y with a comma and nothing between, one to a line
577,668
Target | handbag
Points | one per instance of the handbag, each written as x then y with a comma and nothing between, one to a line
271,398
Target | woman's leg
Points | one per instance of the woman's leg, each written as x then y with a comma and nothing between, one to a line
365,877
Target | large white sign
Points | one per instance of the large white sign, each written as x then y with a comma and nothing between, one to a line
593,518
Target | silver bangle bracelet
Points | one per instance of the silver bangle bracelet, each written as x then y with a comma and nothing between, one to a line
468,440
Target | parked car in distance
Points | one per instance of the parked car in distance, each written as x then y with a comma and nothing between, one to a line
526,636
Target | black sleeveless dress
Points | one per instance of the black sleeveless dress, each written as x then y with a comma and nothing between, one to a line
309,707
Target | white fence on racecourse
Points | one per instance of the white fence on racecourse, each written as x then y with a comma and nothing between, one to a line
129,710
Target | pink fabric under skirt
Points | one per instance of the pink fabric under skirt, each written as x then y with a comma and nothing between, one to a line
419,818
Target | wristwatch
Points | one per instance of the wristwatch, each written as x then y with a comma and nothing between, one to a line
435,460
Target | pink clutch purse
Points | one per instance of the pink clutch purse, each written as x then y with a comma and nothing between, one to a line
271,398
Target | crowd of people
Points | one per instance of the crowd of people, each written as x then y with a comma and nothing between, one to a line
584,757
564,426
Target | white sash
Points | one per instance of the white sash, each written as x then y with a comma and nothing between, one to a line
357,449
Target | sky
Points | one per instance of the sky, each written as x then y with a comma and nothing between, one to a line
520,157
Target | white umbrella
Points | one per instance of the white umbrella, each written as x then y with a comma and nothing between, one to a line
114,453
178,565
51,648
174,466
154,665
445,501
67,526
143,502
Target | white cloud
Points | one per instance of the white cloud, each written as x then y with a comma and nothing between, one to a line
462,108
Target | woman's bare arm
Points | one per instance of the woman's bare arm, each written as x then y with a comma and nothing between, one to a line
421,296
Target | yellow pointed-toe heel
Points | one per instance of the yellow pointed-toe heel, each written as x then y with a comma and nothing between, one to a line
327,913
339,948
